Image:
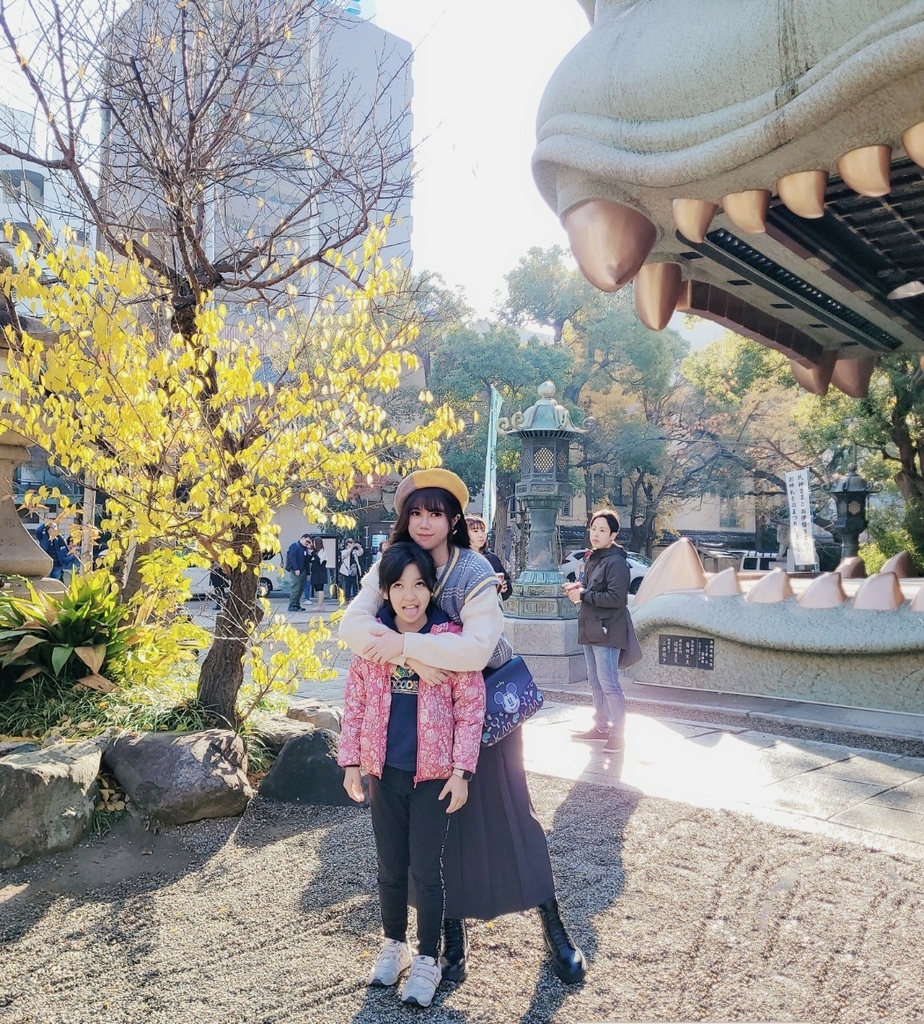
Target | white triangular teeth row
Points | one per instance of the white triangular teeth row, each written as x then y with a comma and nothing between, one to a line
680,568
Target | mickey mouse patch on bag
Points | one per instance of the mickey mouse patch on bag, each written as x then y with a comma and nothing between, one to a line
512,697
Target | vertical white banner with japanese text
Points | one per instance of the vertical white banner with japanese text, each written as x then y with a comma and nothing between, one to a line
490,461
801,540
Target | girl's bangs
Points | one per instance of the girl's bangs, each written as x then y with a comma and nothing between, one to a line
430,499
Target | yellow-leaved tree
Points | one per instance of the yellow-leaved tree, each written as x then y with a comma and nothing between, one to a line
198,438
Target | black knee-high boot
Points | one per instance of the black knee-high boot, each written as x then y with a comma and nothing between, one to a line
567,959
455,950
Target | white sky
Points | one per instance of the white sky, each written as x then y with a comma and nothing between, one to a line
479,71
480,68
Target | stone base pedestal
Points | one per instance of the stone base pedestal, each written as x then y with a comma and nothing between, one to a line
21,559
551,650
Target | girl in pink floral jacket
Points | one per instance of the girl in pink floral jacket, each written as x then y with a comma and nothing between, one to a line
418,742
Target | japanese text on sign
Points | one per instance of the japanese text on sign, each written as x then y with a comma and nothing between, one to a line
801,540
686,651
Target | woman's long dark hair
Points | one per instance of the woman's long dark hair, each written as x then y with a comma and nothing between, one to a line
432,499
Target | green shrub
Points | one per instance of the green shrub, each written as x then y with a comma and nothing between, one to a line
889,535
78,663
873,558
67,640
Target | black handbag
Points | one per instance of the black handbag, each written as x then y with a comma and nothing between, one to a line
511,698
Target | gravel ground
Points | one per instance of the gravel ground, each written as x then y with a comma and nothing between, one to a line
684,914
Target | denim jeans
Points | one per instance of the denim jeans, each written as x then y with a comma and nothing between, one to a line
603,676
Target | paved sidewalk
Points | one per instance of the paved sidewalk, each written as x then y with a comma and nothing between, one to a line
870,796
852,774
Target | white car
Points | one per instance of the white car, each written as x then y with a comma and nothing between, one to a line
272,579
573,566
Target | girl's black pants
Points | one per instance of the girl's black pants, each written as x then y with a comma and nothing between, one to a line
410,825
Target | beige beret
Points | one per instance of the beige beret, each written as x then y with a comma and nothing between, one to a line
431,478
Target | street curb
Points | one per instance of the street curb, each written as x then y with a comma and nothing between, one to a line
794,728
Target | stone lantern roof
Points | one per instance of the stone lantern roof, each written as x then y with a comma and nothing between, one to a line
547,418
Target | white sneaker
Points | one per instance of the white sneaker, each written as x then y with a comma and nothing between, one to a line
394,958
422,982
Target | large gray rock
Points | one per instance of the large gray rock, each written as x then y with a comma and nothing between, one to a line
46,799
8,747
178,777
321,716
306,772
275,731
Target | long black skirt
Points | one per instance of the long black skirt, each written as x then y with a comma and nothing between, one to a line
496,858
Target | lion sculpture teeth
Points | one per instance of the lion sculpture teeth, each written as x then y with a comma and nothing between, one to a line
672,117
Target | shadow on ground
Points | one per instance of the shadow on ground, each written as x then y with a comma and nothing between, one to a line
684,914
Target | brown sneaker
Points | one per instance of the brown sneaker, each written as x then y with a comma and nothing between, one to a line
591,734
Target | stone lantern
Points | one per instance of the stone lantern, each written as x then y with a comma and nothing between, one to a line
545,432
21,559
850,494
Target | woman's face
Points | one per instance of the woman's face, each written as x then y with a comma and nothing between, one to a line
429,529
477,533
600,534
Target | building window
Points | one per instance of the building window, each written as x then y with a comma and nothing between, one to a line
731,514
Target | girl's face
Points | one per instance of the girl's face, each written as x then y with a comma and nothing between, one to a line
478,534
600,534
409,598
429,529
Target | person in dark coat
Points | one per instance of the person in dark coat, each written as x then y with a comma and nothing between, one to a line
351,569
317,570
603,628
219,582
478,532
297,559
49,539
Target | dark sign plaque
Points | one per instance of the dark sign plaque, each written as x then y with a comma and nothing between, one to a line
686,651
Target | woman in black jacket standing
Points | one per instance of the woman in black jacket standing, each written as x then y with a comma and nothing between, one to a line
603,628
478,534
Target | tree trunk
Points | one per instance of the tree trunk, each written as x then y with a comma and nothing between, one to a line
223,669
131,580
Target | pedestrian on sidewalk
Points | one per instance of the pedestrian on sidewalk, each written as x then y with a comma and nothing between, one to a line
603,628
219,582
296,566
496,860
419,745
351,569
478,532
317,571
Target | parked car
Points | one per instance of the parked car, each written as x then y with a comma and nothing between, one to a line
272,579
761,561
572,567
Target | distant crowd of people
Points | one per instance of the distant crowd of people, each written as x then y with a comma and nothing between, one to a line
308,566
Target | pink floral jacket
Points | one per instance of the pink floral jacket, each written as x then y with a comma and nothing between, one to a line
450,717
